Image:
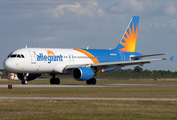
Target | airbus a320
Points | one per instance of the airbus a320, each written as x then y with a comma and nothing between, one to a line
83,64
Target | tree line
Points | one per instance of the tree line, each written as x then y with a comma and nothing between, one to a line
139,73
136,73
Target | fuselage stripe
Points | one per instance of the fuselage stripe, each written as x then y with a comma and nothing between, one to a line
94,59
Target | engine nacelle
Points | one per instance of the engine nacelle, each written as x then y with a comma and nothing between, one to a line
83,73
27,76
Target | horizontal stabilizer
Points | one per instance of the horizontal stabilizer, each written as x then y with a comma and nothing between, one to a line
172,58
134,57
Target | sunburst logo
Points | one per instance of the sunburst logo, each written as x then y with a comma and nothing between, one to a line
50,52
129,39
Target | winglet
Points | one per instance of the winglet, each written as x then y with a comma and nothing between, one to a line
172,58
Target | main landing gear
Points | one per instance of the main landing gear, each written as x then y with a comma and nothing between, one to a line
91,81
54,80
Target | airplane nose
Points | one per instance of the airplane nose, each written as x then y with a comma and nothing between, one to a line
8,65
5,64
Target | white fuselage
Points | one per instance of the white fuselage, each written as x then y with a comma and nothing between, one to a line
44,60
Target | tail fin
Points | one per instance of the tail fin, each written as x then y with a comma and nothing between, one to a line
128,42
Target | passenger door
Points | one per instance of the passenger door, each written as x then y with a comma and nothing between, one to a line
33,56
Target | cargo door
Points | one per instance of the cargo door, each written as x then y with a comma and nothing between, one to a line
71,58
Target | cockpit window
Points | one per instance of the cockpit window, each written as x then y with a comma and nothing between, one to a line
13,56
22,56
16,56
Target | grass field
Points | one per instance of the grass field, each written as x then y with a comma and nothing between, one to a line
79,110
88,110
96,92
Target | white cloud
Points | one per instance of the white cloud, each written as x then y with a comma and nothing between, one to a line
169,26
126,5
29,9
170,8
173,23
77,10
80,23
131,6
144,7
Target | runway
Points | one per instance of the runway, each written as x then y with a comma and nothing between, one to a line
98,85
88,99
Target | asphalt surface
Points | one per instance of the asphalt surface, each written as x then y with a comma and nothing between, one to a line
88,99
98,85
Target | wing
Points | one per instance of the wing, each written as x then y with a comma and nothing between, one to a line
115,64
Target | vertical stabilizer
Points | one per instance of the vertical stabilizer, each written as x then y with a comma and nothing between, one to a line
128,42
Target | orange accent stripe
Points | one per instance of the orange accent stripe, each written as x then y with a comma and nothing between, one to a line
88,55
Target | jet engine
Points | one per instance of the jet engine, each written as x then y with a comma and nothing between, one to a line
82,73
27,76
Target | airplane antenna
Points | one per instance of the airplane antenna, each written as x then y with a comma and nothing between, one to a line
87,47
26,46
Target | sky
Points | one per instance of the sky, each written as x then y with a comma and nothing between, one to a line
99,24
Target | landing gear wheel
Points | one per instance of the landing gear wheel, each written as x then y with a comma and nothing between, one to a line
88,82
57,81
24,82
91,81
54,81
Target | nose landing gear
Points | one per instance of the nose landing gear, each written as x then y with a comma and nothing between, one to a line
24,81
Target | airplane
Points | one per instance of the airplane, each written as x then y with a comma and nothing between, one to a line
83,64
